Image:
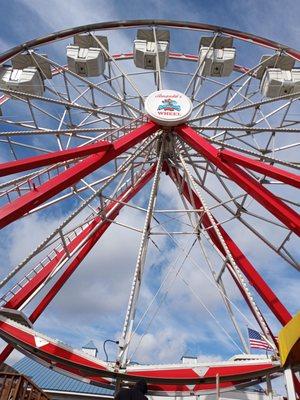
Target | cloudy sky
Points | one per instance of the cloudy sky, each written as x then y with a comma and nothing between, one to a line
93,303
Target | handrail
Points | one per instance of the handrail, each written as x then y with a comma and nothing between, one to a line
19,387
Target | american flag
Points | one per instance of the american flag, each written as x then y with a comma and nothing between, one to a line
257,341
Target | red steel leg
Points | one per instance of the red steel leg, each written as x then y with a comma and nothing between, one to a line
116,207
241,260
277,207
16,209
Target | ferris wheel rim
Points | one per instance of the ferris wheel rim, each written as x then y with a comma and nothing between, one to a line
64,34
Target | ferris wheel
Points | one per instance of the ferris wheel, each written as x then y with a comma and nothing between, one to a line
87,125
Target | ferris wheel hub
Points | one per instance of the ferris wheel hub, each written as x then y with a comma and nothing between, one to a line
168,107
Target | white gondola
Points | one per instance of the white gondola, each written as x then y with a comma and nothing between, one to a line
216,56
146,48
27,74
86,57
27,80
280,61
22,61
277,82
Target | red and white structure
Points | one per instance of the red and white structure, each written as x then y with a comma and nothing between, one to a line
90,141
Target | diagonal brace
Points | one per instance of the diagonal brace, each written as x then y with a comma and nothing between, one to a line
115,206
261,167
25,164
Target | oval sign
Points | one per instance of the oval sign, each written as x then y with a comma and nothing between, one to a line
168,107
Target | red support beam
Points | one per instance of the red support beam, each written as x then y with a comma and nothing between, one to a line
254,278
261,167
115,207
27,290
25,164
277,207
17,208
250,305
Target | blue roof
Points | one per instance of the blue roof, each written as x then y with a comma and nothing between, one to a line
48,379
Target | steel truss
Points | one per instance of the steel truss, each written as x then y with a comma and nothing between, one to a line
100,150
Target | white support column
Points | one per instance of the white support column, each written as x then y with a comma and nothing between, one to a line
138,273
290,388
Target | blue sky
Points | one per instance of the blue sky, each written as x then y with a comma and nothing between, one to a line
24,20
276,20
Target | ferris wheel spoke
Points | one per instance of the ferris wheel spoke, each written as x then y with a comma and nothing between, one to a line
64,132
245,107
246,267
113,60
90,84
18,95
157,73
252,130
190,192
262,157
26,124
13,143
217,279
244,132
224,295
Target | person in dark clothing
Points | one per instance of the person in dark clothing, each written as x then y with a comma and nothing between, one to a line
137,392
